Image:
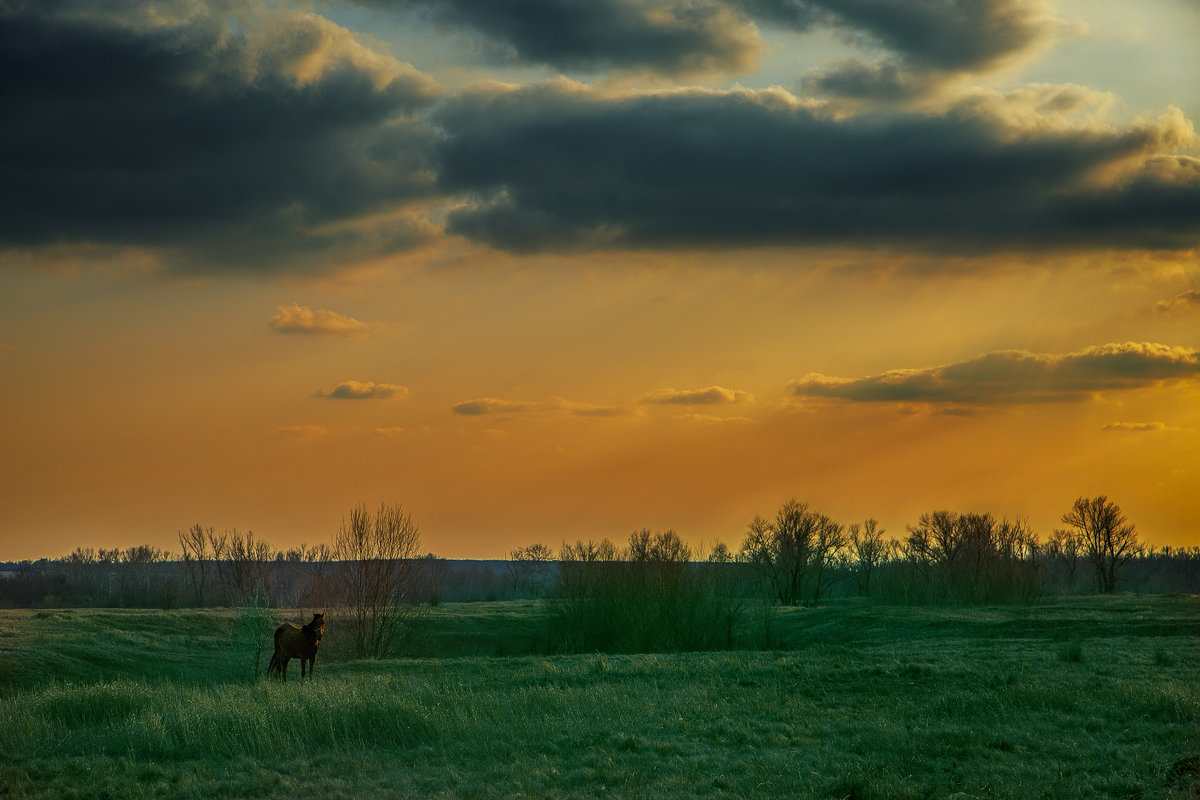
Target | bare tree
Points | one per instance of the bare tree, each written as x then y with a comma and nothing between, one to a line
868,549
380,576
1109,540
136,572
194,543
247,574
829,543
1066,547
794,552
529,570
720,554
82,567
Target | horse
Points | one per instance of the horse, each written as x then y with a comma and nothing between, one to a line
296,641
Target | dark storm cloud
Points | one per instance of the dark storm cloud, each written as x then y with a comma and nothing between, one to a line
701,36
885,80
939,34
927,42
674,37
559,166
1016,376
238,148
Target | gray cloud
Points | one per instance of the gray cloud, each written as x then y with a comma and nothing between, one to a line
927,42
560,166
214,147
1185,303
882,80
490,405
1016,376
366,390
712,395
1135,427
673,37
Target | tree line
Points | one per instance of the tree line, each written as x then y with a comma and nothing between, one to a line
801,556
654,591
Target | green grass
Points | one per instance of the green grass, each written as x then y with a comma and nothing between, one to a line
863,701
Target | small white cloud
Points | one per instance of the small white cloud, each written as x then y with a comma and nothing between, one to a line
711,395
322,322
388,432
302,431
711,419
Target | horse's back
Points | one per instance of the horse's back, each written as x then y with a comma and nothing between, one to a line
290,637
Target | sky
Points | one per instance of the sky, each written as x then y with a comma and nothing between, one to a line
544,270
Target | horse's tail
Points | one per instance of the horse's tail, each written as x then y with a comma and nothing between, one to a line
276,665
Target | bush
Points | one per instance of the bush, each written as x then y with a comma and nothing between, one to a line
647,598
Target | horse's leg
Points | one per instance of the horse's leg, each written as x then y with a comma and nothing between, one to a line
283,664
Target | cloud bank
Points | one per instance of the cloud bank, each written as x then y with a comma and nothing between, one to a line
671,37
215,147
1015,376
228,137
561,166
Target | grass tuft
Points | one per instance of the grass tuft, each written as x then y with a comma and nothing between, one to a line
1071,652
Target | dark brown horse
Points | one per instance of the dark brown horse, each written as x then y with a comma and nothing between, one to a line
297,641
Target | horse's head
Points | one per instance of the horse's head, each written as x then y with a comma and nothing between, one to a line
317,626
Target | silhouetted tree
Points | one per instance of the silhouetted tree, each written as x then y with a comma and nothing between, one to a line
135,572
528,570
720,554
1109,540
970,558
868,549
1066,548
794,552
247,568
194,544
380,576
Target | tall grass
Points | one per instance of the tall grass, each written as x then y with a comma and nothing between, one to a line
857,700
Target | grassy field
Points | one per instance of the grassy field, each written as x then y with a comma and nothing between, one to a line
1084,698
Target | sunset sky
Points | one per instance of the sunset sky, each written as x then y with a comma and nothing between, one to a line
544,270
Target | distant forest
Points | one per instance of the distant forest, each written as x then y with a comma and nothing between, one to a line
797,557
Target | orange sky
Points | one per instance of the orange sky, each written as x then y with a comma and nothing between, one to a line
539,343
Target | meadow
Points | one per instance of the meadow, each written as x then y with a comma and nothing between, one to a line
1083,697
